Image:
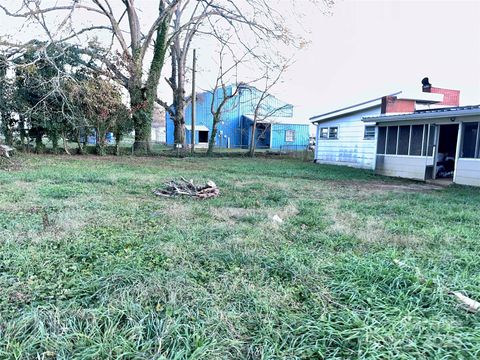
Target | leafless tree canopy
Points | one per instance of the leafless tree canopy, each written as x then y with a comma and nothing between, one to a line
129,40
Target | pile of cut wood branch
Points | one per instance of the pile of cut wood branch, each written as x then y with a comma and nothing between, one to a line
5,151
6,161
183,187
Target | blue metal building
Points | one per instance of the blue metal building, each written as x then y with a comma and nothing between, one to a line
276,127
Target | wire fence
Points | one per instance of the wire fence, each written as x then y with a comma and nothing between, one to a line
128,147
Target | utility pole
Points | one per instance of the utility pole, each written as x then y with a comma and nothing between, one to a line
194,98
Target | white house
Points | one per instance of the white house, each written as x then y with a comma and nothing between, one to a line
342,138
418,136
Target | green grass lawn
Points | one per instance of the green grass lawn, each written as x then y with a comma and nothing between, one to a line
93,266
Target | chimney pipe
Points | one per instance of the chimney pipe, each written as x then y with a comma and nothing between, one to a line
426,86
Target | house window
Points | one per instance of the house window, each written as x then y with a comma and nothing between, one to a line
290,136
369,133
470,140
333,133
324,133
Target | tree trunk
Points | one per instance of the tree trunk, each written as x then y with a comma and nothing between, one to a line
79,142
22,131
101,142
213,136
65,143
179,131
54,138
39,146
253,141
143,98
7,132
118,140
141,116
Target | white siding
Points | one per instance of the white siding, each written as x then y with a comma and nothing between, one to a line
467,172
409,167
350,148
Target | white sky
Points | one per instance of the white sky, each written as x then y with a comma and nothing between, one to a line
366,49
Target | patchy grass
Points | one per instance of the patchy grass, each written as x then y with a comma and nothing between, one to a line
112,272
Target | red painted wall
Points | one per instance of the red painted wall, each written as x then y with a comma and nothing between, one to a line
450,97
390,104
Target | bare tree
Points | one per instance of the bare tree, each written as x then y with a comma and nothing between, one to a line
262,110
137,74
174,27
221,96
183,35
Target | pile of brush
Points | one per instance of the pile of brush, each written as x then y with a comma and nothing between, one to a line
6,161
183,187
5,151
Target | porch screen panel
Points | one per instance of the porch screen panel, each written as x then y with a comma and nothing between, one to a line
403,140
382,140
416,140
425,140
470,139
392,140
431,139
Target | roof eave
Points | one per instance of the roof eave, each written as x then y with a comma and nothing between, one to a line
336,116
353,108
422,116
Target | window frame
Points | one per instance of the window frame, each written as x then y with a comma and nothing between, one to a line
335,137
321,134
370,137
290,133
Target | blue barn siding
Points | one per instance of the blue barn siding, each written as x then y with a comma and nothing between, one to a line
302,134
233,127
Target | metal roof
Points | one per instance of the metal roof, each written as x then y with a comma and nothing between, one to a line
350,109
470,110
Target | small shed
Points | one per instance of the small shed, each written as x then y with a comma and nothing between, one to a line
342,138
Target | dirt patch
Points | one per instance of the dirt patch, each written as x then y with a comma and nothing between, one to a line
175,211
232,215
382,187
368,231
287,212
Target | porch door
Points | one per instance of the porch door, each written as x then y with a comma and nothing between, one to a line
431,151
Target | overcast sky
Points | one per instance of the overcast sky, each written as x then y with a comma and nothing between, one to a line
366,49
